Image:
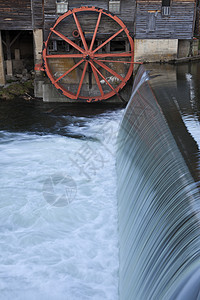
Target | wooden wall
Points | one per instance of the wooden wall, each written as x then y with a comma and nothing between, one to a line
49,16
97,3
15,15
197,24
21,14
32,14
38,13
127,11
150,23
127,15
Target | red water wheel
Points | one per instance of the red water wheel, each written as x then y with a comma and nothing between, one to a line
88,54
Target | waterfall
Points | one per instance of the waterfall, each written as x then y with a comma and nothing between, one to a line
158,205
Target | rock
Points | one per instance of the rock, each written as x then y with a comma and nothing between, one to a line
24,72
26,77
19,76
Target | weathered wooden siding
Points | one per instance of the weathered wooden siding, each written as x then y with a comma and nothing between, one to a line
197,24
143,18
127,11
38,13
21,14
127,15
15,15
49,16
97,3
151,24
33,14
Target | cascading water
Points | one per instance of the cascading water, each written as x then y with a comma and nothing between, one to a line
158,206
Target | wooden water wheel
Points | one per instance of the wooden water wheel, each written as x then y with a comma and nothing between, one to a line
88,54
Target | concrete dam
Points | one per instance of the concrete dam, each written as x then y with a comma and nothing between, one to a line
158,197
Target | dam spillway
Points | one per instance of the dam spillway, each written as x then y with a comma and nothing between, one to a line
158,199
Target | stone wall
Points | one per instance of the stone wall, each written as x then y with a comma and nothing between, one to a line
188,48
155,50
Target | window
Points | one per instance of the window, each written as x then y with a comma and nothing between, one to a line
58,46
166,7
152,22
166,3
62,46
114,6
117,46
165,10
52,47
61,6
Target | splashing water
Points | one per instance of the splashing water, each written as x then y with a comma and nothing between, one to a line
58,215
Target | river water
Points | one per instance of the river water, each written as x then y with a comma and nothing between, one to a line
58,206
58,212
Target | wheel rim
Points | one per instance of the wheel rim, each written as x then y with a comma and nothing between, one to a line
89,58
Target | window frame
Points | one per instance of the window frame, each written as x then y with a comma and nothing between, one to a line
114,2
60,3
166,8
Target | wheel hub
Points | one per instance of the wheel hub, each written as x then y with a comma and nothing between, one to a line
87,57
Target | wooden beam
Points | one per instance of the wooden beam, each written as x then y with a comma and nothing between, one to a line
2,71
15,38
8,52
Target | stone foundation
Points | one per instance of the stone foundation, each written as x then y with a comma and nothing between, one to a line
51,94
155,50
38,44
188,48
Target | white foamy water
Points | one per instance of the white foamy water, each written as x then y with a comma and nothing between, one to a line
58,213
193,127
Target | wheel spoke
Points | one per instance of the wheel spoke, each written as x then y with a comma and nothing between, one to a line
123,54
108,83
108,40
65,56
95,31
97,80
82,78
109,70
67,40
70,70
80,31
120,61
97,68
